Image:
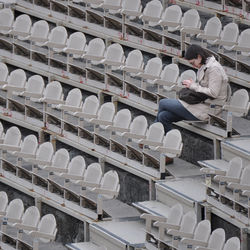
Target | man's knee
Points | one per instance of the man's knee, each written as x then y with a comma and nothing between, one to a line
162,117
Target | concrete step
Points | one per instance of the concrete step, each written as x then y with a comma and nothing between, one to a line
85,246
238,146
215,164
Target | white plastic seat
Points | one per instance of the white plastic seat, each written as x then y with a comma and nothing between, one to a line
89,108
44,154
2,134
57,39
60,162
134,62
14,211
121,121
114,56
30,219
187,75
172,220
39,32
28,147
105,115
92,2
6,20
216,240
243,43
16,81
131,8
112,5
3,73
171,18
3,202
229,36
190,22
76,169
12,139
152,69
47,229
201,234
21,27
152,12
95,50
137,129
239,103
92,176
154,136
76,44
212,30
169,76
34,88
232,244
53,93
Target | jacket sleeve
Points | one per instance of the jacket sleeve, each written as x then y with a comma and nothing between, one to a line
214,83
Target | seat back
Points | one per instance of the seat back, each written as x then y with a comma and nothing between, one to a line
173,140
13,136
3,201
77,166
154,67
131,5
106,112
230,33
217,239
232,244
172,14
170,73
22,24
29,144
115,53
53,90
213,28
175,214
1,131
110,181
90,105
155,133
240,99
191,19
135,59
6,19
74,98
113,5
15,209
61,158
77,41
243,41
40,29
47,225
58,35
235,167
45,151
153,9
96,47
17,78
3,71
245,176
139,126
187,75
31,217
202,231
122,119
188,222
93,173
35,84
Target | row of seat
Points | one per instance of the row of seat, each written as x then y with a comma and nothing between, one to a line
180,231
28,222
233,180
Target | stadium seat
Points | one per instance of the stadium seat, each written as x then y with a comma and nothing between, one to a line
232,244
2,134
212,30
243,46
216,240
112,5
201,235
95,50
12,140
131,8
3,73
39,33
3,203
186,75
190,22
6,20
152,13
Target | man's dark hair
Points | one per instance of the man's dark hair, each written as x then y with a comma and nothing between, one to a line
194,50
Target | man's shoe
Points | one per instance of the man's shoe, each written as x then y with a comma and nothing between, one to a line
169,160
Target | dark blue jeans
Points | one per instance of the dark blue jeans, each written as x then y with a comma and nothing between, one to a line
171,110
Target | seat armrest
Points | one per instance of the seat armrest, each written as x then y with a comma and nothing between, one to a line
150,143
226,178
100,122
166,225
213,171
134,136
55,169
179,233
189,241
37,234
104,191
